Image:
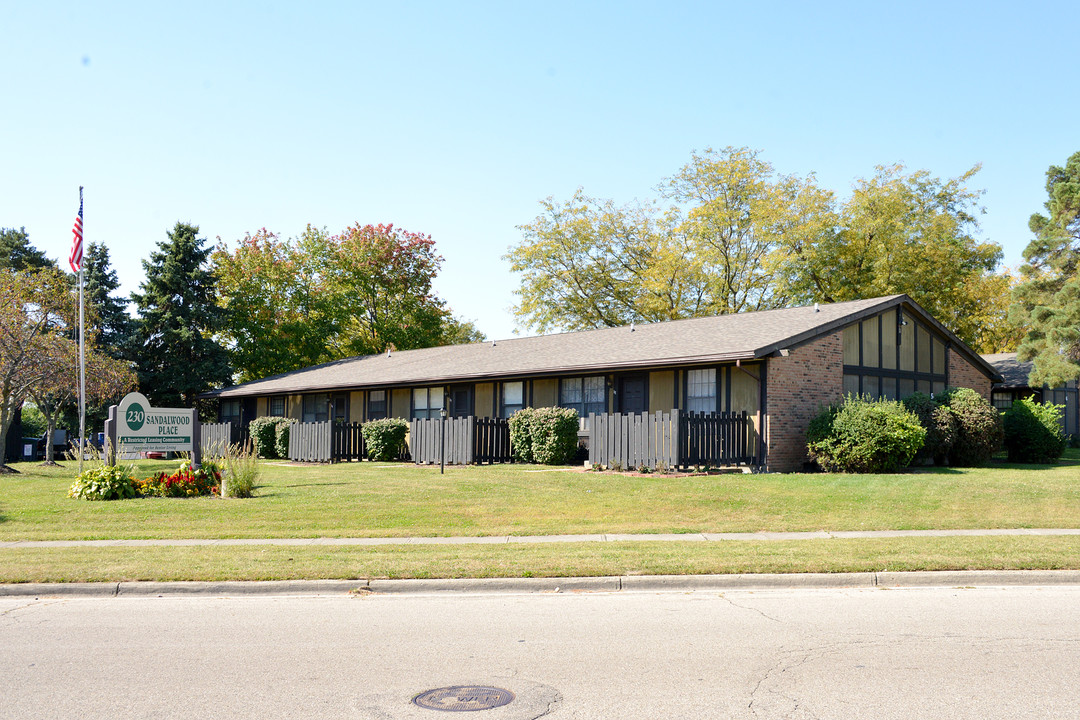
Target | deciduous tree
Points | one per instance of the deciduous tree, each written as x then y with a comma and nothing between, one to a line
291,303
58,384
587,263
743,237
908,232
278,310
37,308
1047,301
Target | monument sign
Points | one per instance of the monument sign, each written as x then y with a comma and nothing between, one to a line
141,428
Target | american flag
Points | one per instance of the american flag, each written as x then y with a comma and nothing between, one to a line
75,259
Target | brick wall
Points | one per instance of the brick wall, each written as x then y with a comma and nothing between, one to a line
798,386
964,374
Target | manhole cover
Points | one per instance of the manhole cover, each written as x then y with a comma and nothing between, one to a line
464,698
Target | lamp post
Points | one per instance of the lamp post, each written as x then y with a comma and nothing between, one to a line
442,438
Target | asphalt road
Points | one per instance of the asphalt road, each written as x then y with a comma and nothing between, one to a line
808,653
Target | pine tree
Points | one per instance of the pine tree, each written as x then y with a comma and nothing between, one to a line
1047,302
177,357
16,252
115,326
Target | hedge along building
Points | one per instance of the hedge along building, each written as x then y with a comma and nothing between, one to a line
780,366
1015,385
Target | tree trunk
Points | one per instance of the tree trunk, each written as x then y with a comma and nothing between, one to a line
8,408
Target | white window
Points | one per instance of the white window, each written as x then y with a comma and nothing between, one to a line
513,398
316,407
376,408
586,395
701,390
427,402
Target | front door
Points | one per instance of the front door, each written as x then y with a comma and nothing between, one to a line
634,393
460,401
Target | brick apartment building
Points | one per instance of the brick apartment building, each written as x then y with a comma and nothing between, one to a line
780,366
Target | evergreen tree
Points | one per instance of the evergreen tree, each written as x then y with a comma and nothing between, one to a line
177,357
1047,302
114,324
16,252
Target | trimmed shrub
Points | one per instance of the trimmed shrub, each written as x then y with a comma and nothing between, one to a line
103,483
940,425
865,436
264,431
979,431
281,439
1033,432
554,435
385,439
521,435
544,435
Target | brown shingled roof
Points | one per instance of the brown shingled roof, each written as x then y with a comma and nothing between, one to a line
743,336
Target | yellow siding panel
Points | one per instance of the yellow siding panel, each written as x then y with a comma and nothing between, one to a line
545,392
661,390
261,407
745,390
400,403
356,406
851,344
484,400
296,407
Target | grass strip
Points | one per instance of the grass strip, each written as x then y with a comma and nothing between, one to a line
555,560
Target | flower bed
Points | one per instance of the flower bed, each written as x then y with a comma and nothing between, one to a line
112,483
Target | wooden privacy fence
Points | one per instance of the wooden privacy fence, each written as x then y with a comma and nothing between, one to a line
310,442
669,440
468,440
634,440
722,438
214,439
348,442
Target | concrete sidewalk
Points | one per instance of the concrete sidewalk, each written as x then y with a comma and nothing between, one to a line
506,539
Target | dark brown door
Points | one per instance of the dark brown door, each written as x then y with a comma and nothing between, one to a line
634,393
460,401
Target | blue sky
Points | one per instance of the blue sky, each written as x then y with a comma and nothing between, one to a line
456,118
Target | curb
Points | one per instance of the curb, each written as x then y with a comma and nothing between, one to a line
518,586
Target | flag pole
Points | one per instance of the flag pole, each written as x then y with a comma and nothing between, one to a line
82,359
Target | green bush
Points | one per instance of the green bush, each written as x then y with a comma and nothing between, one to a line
264,432
281,438
544,435
979,431
865,436
385,439
554,435
940,425
521,435
103,483
1033,432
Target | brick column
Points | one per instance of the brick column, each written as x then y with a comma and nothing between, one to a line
798,386
964,374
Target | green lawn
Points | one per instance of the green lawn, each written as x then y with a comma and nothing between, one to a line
384,500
